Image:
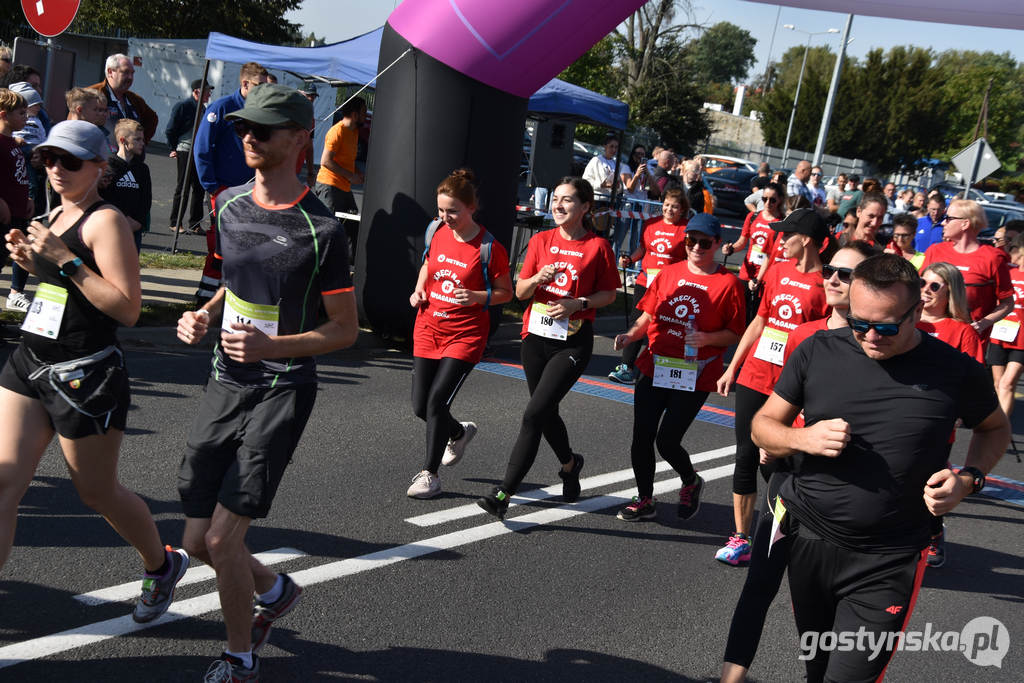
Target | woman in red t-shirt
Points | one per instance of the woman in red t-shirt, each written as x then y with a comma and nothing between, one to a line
663,243
671,390
983,267
568,272
1006,350
452,322
793,294
945,315
757,231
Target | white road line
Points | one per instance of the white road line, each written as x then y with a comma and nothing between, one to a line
89,634
597,481
195,574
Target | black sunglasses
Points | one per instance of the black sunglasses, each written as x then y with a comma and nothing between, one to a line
69,161
259,131
931,286
771,200
902,235
704,243
845,274
884,329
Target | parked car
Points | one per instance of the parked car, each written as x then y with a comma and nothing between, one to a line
730,186
713,163
998,216
950,191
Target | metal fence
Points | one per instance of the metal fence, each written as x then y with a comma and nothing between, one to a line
830,165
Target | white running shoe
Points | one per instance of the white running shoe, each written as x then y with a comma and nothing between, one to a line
16,301
454,451
424,485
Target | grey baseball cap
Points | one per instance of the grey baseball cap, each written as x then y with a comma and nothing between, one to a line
273,105
78,138
27,91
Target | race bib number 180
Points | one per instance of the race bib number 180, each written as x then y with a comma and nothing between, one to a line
543,325
771,347
260,316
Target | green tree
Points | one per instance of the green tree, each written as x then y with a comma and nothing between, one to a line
260,20
722,54
777,105
596,70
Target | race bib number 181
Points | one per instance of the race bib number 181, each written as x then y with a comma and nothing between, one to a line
674,373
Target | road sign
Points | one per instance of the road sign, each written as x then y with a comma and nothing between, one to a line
965,161
50,17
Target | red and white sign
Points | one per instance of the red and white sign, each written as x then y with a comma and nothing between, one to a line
50,17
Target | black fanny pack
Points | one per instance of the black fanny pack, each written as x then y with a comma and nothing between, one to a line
88,384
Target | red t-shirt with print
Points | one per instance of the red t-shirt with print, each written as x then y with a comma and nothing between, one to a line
1017,314
760,238
985,272
664,243
582,266
790,299
957,334
444,328
717,302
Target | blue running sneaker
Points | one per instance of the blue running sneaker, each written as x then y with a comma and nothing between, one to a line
736,551
622,374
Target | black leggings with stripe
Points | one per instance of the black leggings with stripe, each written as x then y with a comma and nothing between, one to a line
435,382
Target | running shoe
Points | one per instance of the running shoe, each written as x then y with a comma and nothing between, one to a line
571,479
158,590
937,550
16,301
495,502
229,669
266,613
424,485
454,451
736,551
639,508
689,499
622,374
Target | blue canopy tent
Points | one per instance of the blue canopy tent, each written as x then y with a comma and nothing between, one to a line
355,61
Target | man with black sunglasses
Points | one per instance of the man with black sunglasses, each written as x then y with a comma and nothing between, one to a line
871,461
285,256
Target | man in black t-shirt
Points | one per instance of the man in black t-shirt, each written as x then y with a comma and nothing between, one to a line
872,461
284,254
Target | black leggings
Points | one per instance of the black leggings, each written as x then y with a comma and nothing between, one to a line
744,476
434,385
662,416
552,368
632,350
764,576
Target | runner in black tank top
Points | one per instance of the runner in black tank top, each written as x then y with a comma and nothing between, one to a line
68,376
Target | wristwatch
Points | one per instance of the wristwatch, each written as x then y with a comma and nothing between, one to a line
71,267
584,303
977,478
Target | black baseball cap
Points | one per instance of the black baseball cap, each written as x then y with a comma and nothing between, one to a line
804,222
198,83
272,104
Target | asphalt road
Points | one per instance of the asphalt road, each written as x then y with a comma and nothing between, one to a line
557,593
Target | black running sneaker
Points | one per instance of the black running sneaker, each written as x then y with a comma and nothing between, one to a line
495,502
571,479
266,613
689,499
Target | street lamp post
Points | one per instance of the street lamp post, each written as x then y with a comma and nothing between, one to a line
799,82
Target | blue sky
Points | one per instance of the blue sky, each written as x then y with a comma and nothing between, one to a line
342,19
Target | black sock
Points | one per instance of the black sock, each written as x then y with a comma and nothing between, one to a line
163,568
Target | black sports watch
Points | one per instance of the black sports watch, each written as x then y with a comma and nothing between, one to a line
71,267
977,478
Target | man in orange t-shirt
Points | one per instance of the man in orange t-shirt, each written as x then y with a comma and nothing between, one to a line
338,165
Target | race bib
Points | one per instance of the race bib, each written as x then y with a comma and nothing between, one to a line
778,515
543,325
757,255
46,312
651,272
260,316
1006,330
674,373
771,347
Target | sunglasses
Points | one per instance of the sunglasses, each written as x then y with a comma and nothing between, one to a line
884,329
817,174
902,235
69,161
704,243
771,200
845,274
258,130
932,287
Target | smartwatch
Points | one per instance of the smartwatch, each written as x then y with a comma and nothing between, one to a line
583,302
71,267
977,478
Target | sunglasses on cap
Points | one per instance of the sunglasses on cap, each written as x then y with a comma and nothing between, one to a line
884,329
70,162
845,274
704,243
259,131
932,287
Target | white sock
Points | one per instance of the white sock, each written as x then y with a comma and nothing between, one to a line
274,593
246,657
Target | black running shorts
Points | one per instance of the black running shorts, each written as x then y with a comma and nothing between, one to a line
65,419
241,442
998,355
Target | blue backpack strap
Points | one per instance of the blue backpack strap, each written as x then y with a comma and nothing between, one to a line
431,231
485,261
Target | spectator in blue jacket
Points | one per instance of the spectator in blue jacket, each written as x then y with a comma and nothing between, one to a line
929,226
220,162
